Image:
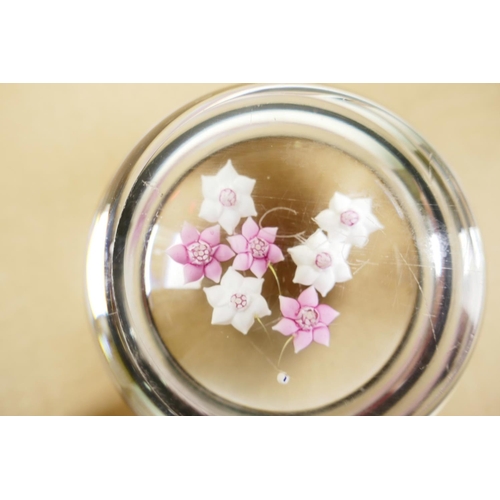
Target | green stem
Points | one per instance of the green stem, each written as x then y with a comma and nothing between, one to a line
275,277
263,326
284,347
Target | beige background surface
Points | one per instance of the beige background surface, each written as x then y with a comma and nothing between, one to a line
59,147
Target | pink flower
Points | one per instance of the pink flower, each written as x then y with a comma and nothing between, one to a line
201,254
305,319
255,248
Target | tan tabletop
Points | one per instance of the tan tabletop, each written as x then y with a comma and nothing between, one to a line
60,145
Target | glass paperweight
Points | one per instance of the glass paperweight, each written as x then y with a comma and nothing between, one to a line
285,250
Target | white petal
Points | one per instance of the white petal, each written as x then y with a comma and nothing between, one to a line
358,236
223,315
259,306
210,210
232,280
217,295
339,236
317,239
372,223
229,219
345,250
325,282
243,184
227,173
338,250
243,321
252,285
210,187
302,255
342,272
340,203
327,220
246,206
305,275
362,205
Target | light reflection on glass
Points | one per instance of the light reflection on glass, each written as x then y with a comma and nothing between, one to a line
171,273
437,253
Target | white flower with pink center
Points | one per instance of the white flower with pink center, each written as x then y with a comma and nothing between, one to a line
255,248
200,253
237,301
321,262
227,197
349,220
305,319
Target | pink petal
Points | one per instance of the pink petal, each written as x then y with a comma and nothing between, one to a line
189,234
321,335
309,297
268,234
302,340
326,314
242,262
286,326
213,270
289,307
179,254
223,253
250,229
238,243
192,273
275,254
211,235
259,267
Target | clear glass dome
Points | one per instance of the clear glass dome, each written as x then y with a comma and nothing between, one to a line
408,313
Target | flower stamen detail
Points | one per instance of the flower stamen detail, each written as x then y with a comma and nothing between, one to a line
228,198
199,253
323,260
259,248
349,218
307,318
239,301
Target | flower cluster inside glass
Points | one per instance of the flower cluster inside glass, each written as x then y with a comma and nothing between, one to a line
320,259
282,184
